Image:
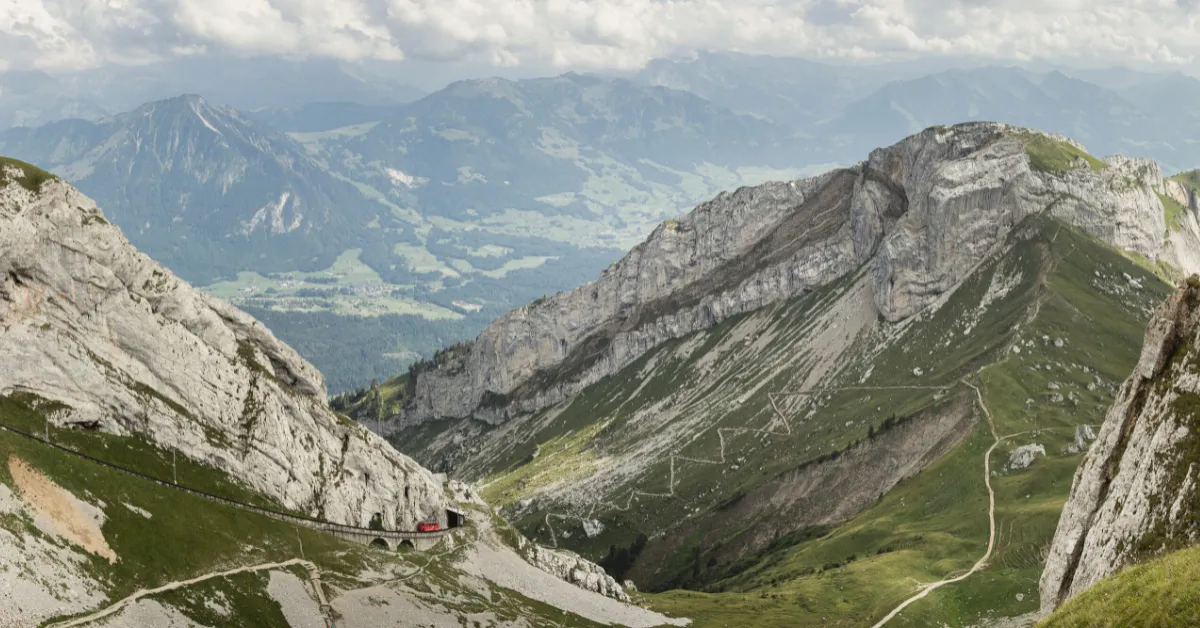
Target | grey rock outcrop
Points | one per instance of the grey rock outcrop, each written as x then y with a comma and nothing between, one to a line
1084,435
1022,457
1135,494
88,321
570,567
922,213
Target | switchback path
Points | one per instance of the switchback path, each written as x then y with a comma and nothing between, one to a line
926,589
721,460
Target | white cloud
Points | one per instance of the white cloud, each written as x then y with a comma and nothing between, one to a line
591,34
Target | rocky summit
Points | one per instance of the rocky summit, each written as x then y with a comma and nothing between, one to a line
920,216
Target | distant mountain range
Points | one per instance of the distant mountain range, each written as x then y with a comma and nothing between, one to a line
432,216
478,148
422,218
847,110
1101,118
796,92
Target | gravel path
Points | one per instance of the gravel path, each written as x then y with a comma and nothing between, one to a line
87,619
987,479
148,614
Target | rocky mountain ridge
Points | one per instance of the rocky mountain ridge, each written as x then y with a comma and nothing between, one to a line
1135,496
921,215
113,340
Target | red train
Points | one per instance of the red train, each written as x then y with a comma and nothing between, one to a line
428,526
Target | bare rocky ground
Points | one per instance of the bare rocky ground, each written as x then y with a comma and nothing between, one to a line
148,613
502,566
397,605
60,513
40,575
483,566
296,599
1020,621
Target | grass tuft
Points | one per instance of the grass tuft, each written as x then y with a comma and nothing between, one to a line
1054,156
30,177
1164,592
1173,212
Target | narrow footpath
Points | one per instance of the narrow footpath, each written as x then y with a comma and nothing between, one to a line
314,577
721,459
987,479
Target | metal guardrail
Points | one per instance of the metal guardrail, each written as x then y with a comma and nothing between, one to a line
308,522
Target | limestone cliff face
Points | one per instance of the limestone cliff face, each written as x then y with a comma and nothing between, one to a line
87,320
922,214
1136,493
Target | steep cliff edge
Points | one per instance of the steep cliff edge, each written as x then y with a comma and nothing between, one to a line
1136,495
89,322
921,214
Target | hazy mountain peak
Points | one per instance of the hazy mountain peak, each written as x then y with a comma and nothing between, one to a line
185,176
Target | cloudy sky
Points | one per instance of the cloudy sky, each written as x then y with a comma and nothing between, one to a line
596,34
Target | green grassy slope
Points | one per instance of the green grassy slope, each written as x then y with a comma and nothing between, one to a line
935,524
1164,593
1047,155
1045,332
26,175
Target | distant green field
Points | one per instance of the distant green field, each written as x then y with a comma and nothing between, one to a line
283,292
